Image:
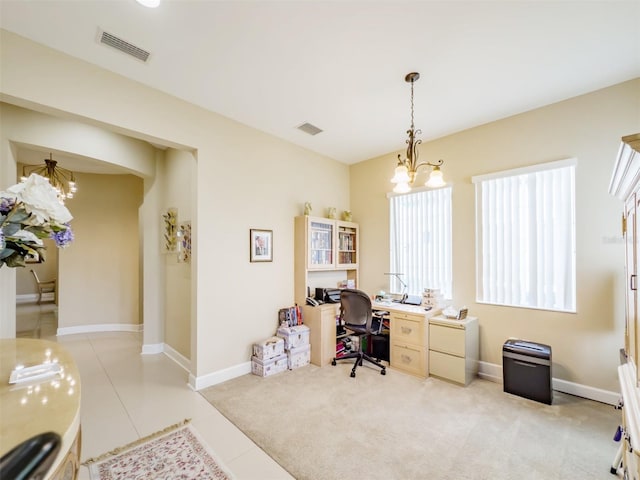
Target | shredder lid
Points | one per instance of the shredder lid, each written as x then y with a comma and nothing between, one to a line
527,348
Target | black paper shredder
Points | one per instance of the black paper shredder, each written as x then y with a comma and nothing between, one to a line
526,368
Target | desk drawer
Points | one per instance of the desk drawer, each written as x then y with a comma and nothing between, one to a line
409,329
409,358
447,339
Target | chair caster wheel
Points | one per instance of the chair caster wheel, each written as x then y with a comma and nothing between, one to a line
383,371
333,362
353,374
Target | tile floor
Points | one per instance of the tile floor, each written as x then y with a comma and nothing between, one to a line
126,395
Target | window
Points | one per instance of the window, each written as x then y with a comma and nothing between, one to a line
421,241
525,237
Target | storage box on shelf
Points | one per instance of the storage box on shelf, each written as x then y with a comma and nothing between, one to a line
431,297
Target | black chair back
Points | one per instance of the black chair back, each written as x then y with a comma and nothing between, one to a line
355,308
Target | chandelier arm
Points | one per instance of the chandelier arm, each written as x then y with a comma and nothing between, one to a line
430,164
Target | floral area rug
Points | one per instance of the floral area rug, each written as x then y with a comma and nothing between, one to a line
176,452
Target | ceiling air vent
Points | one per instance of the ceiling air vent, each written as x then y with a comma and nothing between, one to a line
310,129
111,40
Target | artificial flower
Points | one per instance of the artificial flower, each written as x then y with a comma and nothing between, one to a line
29,212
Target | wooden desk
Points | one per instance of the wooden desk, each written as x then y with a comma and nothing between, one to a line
408,337
321,321
53,405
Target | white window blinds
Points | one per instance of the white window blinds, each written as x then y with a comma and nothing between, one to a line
421,241
525,237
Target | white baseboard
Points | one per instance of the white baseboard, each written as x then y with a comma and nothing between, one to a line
152,349
177,357
204,381
584,391
105,327
490,371
493,372
33,298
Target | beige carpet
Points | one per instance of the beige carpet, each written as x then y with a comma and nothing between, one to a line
320,424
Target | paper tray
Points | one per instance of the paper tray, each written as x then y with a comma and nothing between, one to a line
36,372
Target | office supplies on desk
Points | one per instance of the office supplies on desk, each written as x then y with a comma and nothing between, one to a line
457,313
313,302
328,295
412,300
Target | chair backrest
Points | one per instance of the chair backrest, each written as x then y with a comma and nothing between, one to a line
355,308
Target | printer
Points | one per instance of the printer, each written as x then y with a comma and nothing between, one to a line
328,295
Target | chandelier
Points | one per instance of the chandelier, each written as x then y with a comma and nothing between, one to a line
60,178
407,169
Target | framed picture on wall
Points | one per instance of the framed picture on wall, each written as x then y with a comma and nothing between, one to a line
260,245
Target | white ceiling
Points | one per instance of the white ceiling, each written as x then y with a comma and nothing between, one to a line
340,65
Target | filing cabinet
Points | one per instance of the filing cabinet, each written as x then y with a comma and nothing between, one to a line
408,338
453,349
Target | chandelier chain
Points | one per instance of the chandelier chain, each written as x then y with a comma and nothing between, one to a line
412,82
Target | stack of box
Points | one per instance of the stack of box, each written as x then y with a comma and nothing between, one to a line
431,297
296,345
269,357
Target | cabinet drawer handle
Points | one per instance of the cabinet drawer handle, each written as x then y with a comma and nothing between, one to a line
632,282
406,358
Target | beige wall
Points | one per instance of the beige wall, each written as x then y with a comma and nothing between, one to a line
99,273
245,179
179,175
585,345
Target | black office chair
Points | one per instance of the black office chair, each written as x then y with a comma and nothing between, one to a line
356,315
31,459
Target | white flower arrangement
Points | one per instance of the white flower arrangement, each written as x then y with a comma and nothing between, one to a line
29,212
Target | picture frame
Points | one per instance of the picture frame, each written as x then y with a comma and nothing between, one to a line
260,245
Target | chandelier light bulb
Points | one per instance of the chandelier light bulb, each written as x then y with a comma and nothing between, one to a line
57,177
402,187
401,175
435,179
